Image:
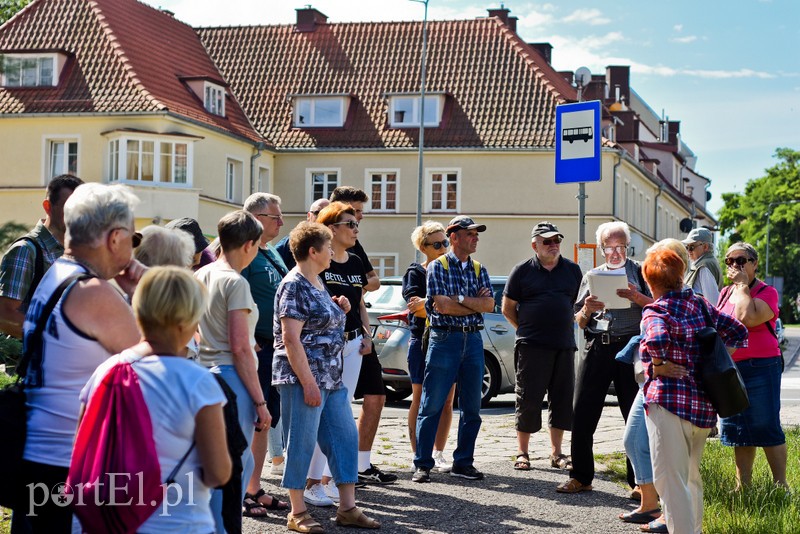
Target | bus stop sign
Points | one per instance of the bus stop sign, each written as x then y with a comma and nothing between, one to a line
578,142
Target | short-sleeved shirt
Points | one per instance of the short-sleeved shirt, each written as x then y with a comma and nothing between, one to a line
175,390
264,274
415,284
227,291
19,264
457,279
347,279
761,343
545,298
625,321
359,251
322,334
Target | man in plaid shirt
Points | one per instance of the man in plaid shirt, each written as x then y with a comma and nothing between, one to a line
17,269
456,300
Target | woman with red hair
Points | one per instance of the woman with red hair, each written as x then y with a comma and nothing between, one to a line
679,415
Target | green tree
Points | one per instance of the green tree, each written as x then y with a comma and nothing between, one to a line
9,7
776,196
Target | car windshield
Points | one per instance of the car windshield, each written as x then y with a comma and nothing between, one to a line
387,296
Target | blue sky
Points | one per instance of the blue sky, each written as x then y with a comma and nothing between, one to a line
728,70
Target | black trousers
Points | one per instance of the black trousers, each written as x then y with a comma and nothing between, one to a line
49,517
595,375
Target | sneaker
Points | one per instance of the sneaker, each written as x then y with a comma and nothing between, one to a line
373,475
331,490
276,469
316,495
421,475
440,464
468,472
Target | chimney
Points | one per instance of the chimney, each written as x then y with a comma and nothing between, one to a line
620,76
673,130
168,12
309,18
544,49
502,14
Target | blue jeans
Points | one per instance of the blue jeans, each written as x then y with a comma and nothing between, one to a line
247,418
330,424
451,356
760,424
637,443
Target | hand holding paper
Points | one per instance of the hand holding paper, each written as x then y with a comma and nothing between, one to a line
605,284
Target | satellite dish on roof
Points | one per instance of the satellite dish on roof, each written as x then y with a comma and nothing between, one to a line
686,225
583,76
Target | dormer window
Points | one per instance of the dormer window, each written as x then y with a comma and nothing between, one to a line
31,70
404,110
214,99
320,111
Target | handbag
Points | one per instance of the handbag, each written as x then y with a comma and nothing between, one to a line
13,410
722,381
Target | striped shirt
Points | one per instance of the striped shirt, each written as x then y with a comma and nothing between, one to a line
455,280
670,324
19,263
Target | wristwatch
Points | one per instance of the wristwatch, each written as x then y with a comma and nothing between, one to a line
461,299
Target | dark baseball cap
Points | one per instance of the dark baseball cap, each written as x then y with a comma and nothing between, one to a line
545,229
192,227
462,222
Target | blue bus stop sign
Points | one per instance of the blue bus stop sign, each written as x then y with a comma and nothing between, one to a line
578,142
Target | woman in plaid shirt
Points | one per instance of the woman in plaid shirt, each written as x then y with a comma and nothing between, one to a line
679,415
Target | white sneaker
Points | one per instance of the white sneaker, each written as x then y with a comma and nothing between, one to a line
316,495
277,469
331,490
441,465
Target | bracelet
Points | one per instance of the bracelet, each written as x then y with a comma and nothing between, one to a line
262,403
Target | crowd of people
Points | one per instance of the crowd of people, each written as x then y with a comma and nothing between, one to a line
244,349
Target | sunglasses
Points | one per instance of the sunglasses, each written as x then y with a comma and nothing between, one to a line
740,261
438,245
136,237
691,248
552,241
350,224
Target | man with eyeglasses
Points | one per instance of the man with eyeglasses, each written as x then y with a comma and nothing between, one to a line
457,297
283,245
537,301
606,333
704,275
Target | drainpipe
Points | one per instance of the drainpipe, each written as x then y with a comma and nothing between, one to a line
655,214
259,147
620,154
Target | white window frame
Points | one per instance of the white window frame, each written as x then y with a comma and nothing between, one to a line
260,185
57,64
368,188
47,143
312,121
413,121
429,189
234,181
310,183
214,98
377,259
117,171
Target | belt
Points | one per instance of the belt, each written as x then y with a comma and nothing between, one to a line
352,334
607,339
463,329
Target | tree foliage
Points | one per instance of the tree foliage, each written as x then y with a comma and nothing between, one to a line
9,7
771,204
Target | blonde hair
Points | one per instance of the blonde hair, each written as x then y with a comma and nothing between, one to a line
421,233
675,246
165,246
168,296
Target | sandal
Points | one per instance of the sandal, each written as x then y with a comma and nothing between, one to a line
303,523
274,504
654,526
524,464
562,461
641,518
354,517
573,486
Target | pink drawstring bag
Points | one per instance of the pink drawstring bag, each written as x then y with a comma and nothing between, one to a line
114,476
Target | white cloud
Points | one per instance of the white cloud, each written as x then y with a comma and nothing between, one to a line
684,40
678,27
592,16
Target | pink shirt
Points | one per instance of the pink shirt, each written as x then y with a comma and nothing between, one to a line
761,343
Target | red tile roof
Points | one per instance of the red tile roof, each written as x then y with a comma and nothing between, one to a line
124,57
502,94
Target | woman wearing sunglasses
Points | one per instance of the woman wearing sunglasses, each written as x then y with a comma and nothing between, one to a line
346,277
431,241
755,304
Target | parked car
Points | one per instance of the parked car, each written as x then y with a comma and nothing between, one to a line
780,333
392,335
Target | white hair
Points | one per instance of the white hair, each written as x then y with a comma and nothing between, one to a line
94,209
259,201
606,230
165,246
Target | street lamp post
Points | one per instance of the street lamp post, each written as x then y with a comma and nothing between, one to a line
421,170
769,214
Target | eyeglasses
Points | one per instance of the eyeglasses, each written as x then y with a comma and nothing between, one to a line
438,245
350,224
552,241
691,248
273,217
136,237
739,260
619,249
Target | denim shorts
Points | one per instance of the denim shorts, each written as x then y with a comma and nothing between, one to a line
416,360
760,424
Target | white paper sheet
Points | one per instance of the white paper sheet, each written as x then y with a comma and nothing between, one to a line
604,286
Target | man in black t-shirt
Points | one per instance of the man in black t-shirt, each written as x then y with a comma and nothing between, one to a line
538,302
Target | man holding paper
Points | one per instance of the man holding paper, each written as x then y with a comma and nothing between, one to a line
607,331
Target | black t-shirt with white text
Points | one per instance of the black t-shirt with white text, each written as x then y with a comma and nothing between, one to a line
347,279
